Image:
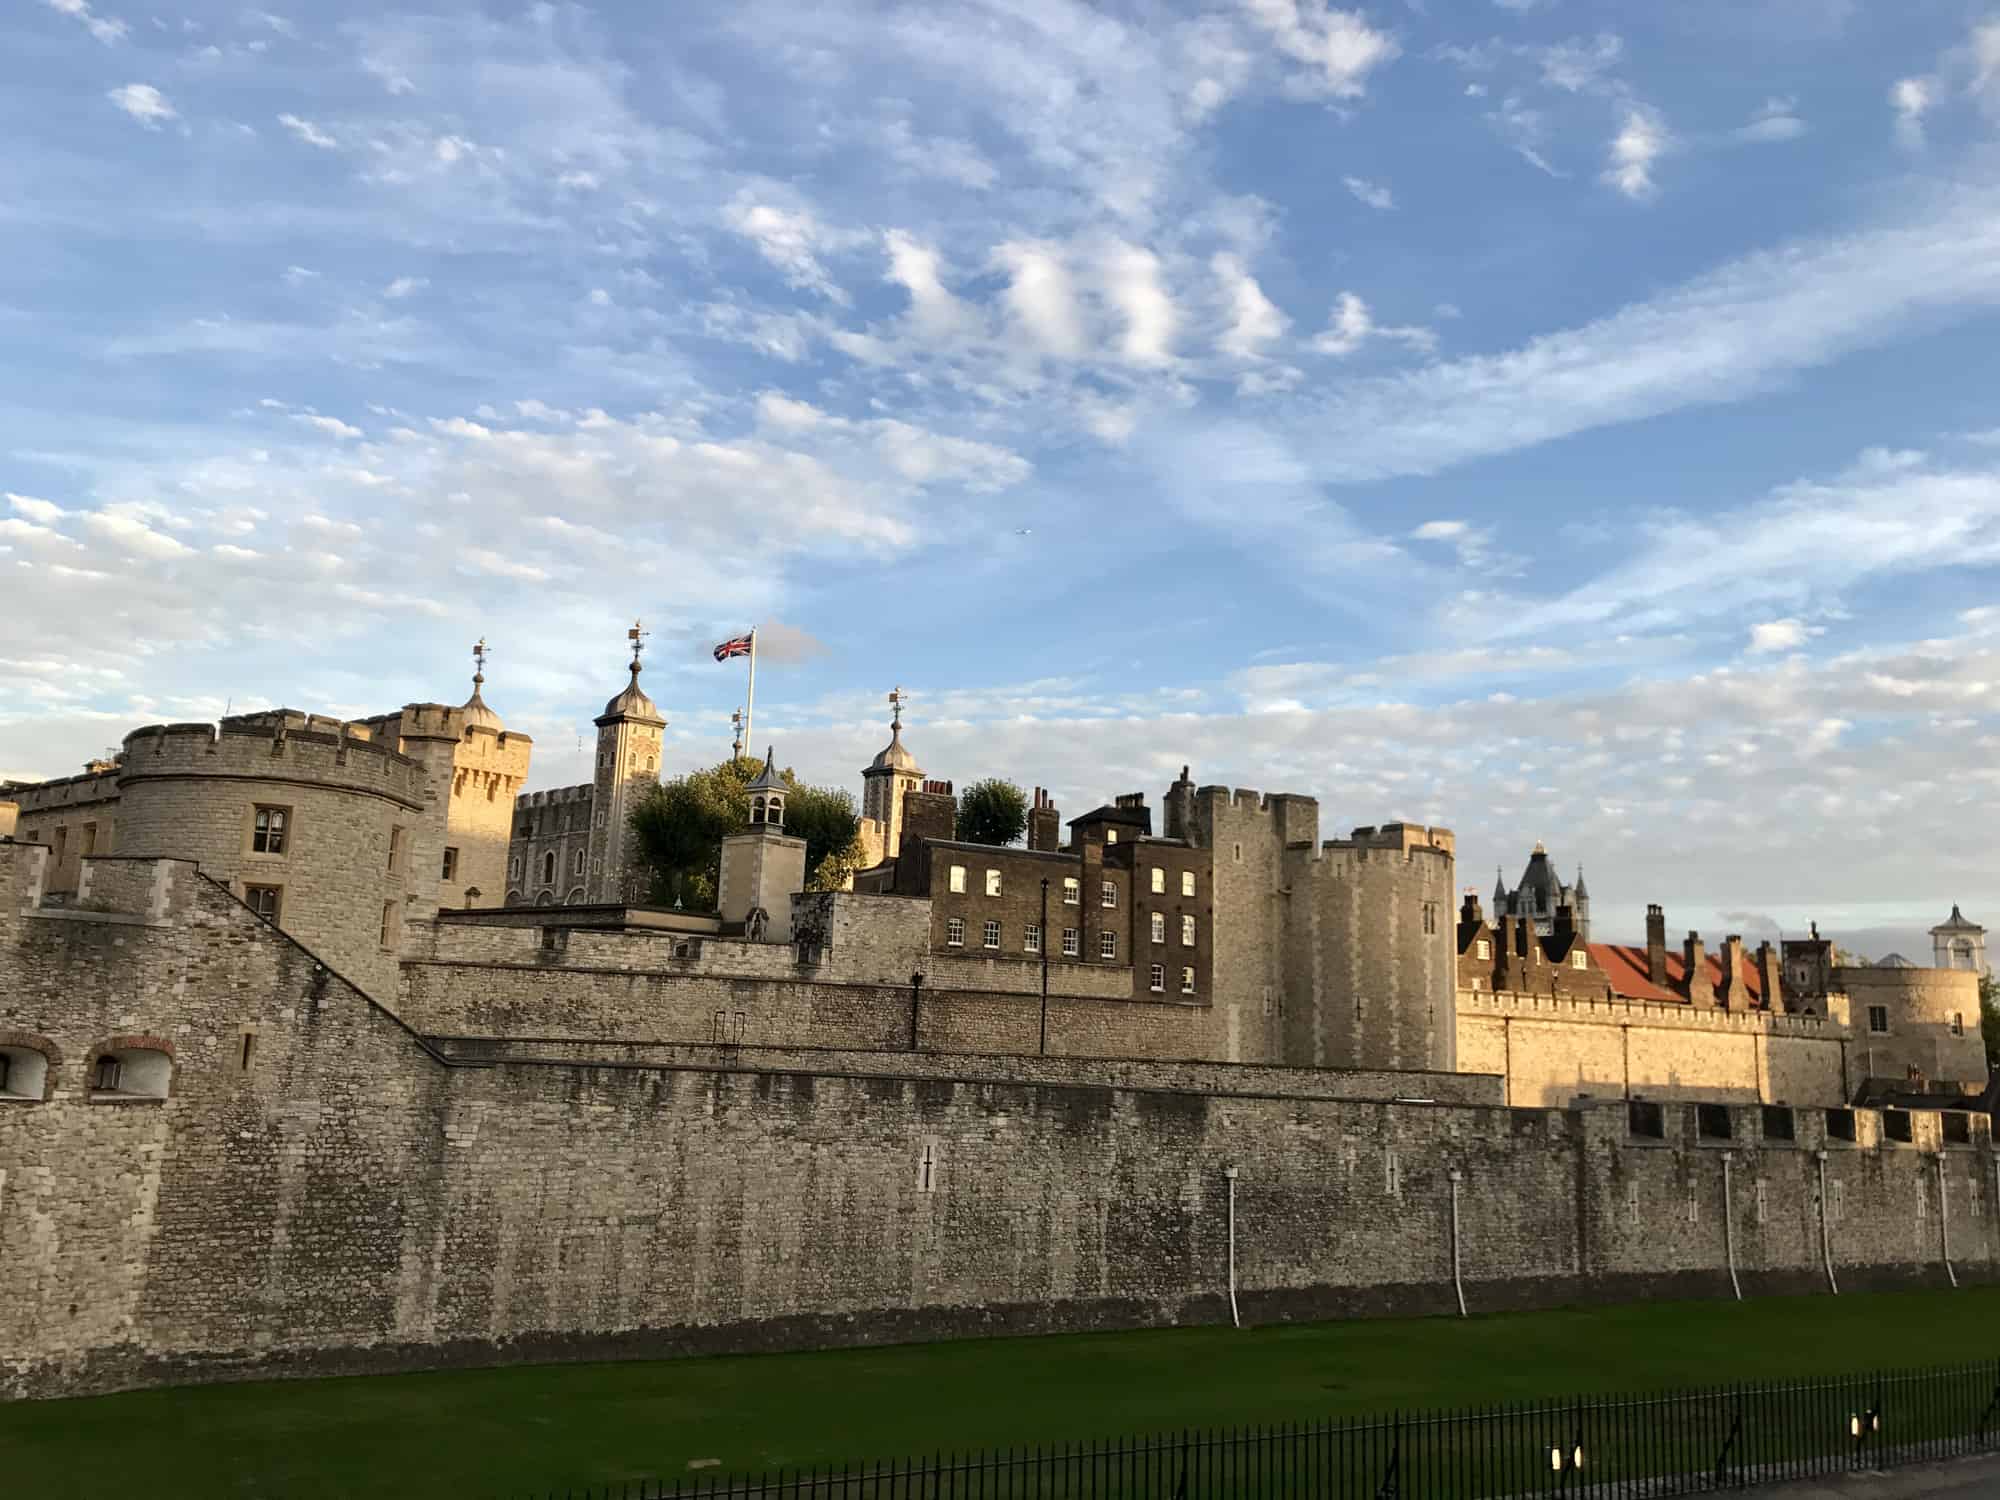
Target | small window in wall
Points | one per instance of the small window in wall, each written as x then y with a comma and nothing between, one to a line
549,868
1237,853
1110,835
1878,1018
930,1158
450,871
24,1073
1646,1120
1974,1198
576,863
1159,926
1712,1121
1072,892
1694,1207
1159,881
1187,882
1071,946
389,924
1110,890
61,843
1107,945
1187,932
957,881
514,867
1836,1201
1392,1174
1958,1023
265,900
131,1073
1632,1202
1957,1128
1031,940
395,849
1482,949
1159,983
1840,1124
992,882
269,827
1763,1207
1778,1123
954,932
1896,1125
89,840
1579,959
1187,979
1430,918
990,934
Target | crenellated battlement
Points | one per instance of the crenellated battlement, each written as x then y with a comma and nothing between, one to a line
66,791
280,746
556,796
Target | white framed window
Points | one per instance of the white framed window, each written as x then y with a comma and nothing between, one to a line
1159,922
1187,932
1159,978
1031,940
576,863
1482,949
1071,945
957,880
991,934
1159,881
1107,945
1072,892
1187,979
1110,835
992,882
1187,882
954,932
1110,890
268,828
1579,959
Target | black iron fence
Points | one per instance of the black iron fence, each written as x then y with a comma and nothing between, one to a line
1684,1442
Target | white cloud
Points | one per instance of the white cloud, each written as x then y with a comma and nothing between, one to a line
132,535
1776,120
788,238
1578,65
599,297
42,511
1352,325
1134,285
332,426
1440,531
1339,47
915,266
499,565
1372,194
308,132
405,286
1640,142
143,103
1985,48
1254,320
106,29
299,275
1779,635
1911,98
1041,297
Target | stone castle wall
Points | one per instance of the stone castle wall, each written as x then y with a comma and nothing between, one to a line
1933,1019
338,1195
1554,1050
363,837
79,813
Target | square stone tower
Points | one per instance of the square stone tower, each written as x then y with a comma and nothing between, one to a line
764,868
629,733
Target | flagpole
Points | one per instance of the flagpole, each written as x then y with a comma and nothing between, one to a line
750,713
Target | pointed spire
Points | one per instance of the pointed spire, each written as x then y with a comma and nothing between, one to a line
769,777
1579,890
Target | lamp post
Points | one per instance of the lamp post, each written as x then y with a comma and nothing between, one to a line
1045,967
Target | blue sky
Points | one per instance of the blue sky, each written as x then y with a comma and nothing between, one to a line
1551,419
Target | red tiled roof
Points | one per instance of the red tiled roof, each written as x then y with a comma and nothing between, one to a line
1625,966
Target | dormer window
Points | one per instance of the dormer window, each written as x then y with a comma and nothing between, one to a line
1579,960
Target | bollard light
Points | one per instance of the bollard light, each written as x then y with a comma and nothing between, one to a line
1576,1458
1556,1460
1853,1425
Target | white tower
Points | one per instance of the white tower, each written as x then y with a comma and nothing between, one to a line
1959,944
888,777
764,868
629,732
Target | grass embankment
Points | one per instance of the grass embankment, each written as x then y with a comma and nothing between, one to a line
492,1432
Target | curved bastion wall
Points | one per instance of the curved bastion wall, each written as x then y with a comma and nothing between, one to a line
361,841
1921,1021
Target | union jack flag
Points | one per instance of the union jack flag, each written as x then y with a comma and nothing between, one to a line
734,646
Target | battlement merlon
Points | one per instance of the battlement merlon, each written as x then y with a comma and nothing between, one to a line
79,790
556,796
153,890
437,721
1407,837
1293,817
275,748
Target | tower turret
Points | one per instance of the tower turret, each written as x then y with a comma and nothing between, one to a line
888,779
629,733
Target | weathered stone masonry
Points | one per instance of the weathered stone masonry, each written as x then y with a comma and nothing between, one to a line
340,1195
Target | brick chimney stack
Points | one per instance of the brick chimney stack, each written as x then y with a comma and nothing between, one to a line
1771,978
1656,944
1701,989
1044,823
1732,993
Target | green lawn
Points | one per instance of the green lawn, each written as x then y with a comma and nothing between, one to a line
499,1432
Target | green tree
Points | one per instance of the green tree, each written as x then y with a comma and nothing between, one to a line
1989,1019
681,823
992,812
